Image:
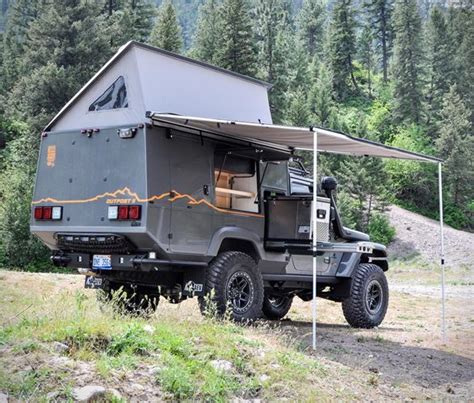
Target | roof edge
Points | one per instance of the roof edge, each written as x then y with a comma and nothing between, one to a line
120,52
201,63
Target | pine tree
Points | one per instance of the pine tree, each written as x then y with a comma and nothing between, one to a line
441,66
2,74
343,49
311,22
166,33
236,46
111,6
271,40
461,29
20,16
363,179
456,147
206,38
380,17
366,54
130,20
69,34
321,97
187,11
299,66
298,112
60,56
408,63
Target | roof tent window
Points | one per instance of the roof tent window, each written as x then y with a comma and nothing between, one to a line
114,97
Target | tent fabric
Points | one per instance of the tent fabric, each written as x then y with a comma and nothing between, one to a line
156,79
297,138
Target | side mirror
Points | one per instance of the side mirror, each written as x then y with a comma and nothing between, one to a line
328,184
3,141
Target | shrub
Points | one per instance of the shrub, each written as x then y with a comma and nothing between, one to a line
18,247
380,229
456,217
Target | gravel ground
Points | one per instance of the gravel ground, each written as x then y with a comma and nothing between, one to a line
418,235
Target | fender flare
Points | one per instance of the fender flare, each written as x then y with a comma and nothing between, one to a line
350,260
378,256
236,233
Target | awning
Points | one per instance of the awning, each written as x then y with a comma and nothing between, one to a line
292,138
313,139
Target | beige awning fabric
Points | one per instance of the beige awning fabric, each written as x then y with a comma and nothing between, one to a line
297,138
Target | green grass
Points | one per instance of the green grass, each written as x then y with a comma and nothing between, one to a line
181,350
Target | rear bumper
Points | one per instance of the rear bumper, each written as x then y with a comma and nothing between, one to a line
172,276
48,233
123,262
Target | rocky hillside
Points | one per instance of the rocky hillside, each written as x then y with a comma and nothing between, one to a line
420,236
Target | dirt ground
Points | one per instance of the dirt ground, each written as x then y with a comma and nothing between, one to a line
407,350
405,358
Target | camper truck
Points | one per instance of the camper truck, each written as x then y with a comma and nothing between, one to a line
137,199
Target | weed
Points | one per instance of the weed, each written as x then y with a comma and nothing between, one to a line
380,339
188,378
133,341
24,385
26,347
373,380
106,363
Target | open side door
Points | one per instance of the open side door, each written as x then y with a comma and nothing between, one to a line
288,222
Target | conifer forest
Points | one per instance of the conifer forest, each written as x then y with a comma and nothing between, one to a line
400,72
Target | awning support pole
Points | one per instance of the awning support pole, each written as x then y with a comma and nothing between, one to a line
441,227
314,240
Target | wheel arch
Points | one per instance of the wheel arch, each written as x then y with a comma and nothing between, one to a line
240,245
236,239
377,257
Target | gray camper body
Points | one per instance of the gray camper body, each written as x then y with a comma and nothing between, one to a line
172,175
200,201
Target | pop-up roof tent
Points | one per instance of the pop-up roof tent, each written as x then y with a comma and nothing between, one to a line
140,78
208,100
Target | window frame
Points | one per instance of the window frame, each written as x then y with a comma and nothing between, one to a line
125,80
255,176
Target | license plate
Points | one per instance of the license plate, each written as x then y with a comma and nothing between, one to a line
102,262
93,282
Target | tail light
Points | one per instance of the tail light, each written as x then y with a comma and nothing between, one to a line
48,213
134,212
124,213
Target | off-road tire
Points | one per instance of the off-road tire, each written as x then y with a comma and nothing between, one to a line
223,272
130,302
356,308
276,307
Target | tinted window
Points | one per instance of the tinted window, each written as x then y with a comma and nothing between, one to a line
276,176
298,188
114,97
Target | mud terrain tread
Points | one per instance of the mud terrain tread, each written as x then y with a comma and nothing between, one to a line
354,306
216,280
275,313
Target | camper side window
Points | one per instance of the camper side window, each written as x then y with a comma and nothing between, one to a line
114,97
235,183
275,176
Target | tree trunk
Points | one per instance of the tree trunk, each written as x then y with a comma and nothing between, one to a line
369,81
384,46
369,211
